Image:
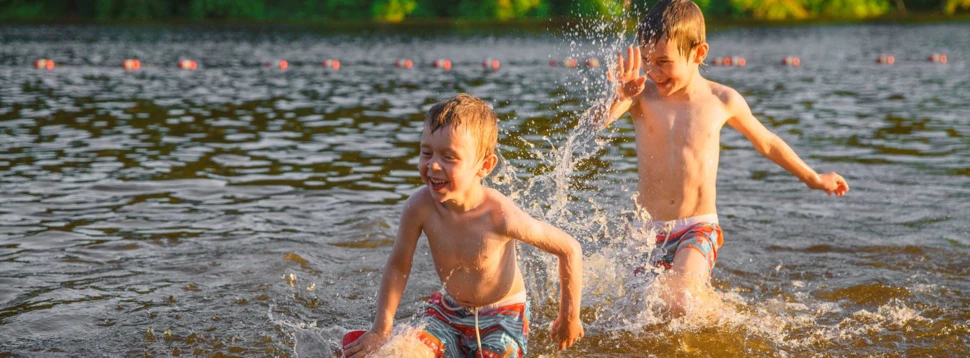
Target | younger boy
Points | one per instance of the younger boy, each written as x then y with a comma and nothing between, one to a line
482,309
677,124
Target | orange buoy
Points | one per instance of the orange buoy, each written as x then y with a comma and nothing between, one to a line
283,64
491,64
442,63
792,61
740,61
723,61
886,59
131,64
570,62
938,58
331,64
44,63
188,64
404,63
592,62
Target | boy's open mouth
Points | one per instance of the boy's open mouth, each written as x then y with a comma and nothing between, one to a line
437,184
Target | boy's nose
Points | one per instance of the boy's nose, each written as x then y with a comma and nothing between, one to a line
434,165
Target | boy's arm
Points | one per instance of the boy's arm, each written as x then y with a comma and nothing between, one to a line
774,148
393,281
568,327
629,84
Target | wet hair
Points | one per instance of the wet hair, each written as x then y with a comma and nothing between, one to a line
680,21
469,112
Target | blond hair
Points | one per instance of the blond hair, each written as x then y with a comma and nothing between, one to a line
680,21
469,112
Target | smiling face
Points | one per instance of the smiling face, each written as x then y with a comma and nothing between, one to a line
450,164
668,67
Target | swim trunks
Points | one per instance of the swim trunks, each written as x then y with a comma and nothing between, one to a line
701,233
500,329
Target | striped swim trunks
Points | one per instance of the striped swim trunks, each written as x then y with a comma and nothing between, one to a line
500,329
701,233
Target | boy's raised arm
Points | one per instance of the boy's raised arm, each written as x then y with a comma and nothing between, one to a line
393,281
629,83
774,148
568,328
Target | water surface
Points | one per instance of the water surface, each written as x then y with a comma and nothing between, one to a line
246,211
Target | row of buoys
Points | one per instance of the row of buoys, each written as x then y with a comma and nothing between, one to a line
792,61
730,61
889,59
490,64
44,63
571,62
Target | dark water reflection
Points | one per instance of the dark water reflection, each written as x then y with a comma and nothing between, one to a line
242,210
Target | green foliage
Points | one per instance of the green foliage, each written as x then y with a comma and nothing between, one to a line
21,9
855,9
772,9
951,6
393,10
397,10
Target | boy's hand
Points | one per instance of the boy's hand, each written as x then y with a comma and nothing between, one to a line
567,331
627,76
831,183
366,344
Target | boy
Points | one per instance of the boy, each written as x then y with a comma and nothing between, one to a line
482,309
677,124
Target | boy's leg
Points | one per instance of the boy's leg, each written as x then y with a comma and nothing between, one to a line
439,338
688,273
690,270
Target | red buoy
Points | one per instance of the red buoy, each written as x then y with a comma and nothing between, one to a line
938,58
792,61
570,62
188,64
442,63
886,59
404,63
44,63
283,64
553,63
491,64
723,61
331,64
740,61
131,64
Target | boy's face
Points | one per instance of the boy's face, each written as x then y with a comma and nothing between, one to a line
450,164
668,68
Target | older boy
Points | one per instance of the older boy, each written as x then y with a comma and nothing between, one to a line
482,310
677,124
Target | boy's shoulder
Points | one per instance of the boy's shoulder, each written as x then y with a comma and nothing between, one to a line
419,201
725,94
498,201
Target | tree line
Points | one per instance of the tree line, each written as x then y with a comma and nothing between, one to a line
398,10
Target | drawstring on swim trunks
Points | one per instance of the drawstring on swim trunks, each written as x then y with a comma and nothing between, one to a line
478,334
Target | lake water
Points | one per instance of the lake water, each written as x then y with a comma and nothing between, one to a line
241,210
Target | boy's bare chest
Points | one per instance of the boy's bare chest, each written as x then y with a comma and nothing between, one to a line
462,240
680,121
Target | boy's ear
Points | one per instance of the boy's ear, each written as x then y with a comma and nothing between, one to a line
488,164
700,52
